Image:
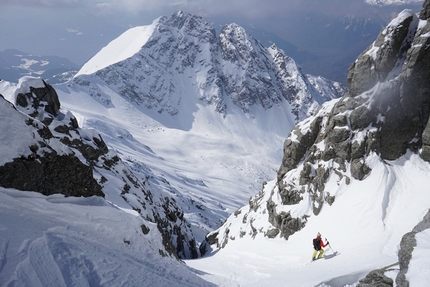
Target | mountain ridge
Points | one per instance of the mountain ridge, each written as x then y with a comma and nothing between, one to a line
216,60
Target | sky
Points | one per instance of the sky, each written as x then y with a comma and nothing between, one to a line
78,29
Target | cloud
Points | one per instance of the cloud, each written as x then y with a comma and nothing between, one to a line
74,31
46,3
253,9
257,9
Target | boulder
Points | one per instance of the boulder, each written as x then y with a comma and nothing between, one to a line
45,97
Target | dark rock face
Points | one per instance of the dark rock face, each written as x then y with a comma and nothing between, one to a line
49,175
386,111
284,223
378,60
376,278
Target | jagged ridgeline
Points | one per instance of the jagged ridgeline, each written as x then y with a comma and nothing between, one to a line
385,113
184,58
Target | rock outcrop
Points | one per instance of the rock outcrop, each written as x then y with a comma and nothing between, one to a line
376,278
386,111
52,163
407,246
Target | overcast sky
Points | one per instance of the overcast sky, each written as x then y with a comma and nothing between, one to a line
77,29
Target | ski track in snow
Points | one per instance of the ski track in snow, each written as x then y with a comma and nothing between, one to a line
57,241
3,252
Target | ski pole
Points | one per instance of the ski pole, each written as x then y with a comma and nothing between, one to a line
329,245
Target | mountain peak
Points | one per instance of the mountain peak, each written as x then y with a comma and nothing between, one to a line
179,59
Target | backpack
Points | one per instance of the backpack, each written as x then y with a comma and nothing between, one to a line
317,244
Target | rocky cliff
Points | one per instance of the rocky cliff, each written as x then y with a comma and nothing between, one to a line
385,113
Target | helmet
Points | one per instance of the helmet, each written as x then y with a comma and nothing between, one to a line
319,234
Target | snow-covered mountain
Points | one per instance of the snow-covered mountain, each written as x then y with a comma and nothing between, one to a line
15,64
357,170
163,62
93,143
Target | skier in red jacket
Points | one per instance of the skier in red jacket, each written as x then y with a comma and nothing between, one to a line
318,245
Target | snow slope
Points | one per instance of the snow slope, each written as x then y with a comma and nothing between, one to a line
364,227
214,167
121,48
57,241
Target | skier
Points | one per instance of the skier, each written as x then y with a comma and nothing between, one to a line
318,244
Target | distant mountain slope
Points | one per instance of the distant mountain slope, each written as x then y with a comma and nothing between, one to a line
15,64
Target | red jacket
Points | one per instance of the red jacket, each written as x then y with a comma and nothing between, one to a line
321,242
